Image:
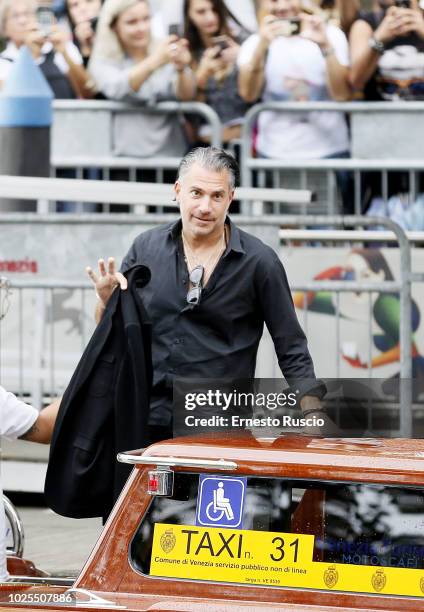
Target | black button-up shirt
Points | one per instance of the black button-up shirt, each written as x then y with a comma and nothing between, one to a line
219,338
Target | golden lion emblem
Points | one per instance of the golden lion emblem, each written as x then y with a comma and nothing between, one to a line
168,541
379,580
331,577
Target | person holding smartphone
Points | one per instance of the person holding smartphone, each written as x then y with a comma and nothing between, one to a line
129,64
296,57
23,23
214,48
387,50
83,17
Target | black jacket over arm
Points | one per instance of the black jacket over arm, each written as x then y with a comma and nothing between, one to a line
104,410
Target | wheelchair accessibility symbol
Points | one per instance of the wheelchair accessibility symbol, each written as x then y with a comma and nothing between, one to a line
220,502
220,505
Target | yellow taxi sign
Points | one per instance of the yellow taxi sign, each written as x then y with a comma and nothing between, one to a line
268,559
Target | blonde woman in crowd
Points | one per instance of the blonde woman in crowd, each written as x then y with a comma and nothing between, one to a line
128,64
53,51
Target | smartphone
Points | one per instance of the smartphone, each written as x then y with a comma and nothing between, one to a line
93,23
292,26
175,30
403,3
45,19
221,42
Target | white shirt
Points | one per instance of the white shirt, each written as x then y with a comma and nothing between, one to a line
16,418
295,70
11,52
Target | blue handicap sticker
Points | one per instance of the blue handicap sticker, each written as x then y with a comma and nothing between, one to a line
220,501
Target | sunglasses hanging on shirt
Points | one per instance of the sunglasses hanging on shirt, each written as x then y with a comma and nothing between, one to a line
195,293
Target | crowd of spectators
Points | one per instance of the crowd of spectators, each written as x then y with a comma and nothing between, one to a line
229,54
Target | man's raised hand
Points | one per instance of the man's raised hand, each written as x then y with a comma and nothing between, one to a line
107,279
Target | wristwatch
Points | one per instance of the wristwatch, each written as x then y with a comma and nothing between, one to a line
376,45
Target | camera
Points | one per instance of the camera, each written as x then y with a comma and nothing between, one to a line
221,42
175,30
291,26
403,3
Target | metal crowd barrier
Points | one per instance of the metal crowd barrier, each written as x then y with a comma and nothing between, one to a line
401,287
29,364
380,142
74,147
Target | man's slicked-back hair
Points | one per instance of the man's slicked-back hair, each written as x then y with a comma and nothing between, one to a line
211,158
